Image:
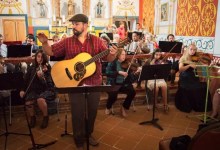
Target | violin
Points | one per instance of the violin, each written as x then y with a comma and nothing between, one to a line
127,65
41,70
202,58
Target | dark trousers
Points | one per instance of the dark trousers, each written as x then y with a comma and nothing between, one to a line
112,96
174,69
78,114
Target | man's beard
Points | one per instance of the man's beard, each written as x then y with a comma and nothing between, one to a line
77,33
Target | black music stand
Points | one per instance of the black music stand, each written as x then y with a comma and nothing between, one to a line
86,90
16,83
150,72
19,51
171,47
65,128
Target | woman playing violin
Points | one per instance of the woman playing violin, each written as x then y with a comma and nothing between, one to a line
116,74
191,92
40,87
156,59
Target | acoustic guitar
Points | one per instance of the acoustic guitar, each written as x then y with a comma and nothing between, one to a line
69,73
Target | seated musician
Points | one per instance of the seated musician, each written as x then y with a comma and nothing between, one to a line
105,39
160,83
116,74
30,40
39,88
138,27
55,38
4,94
3,54
215,88
214,82
3,47
191,93
121,30
175,64
149,42
215,104
134,45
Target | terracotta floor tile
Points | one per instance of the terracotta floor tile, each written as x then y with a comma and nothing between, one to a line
110,139
112,131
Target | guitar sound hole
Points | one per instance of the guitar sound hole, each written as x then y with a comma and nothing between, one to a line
79,67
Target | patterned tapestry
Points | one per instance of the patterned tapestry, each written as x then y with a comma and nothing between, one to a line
148,15
196,17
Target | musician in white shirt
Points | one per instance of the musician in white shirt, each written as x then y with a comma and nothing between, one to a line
134,44
3,47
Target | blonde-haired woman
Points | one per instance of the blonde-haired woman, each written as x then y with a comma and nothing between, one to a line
191,93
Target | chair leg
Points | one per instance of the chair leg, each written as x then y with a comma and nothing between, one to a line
133,106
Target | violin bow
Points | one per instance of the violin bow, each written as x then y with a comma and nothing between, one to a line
132,58
169,52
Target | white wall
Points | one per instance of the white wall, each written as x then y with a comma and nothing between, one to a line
120,7
21,7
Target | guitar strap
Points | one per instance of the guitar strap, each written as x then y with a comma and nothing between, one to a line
92,45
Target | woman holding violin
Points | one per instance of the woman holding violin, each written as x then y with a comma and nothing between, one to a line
120,73
157,59
191,93
39,88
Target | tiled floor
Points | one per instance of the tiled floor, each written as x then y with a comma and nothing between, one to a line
112,132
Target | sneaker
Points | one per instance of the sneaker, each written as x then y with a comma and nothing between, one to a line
107,111
44,122
33,121
93,141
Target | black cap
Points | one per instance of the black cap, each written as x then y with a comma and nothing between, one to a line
79,18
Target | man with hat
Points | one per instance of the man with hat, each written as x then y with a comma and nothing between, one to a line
80,42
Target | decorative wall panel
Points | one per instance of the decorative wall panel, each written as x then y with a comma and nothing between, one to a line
149,15
196,17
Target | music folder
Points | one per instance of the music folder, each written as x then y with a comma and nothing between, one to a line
171,47
19,51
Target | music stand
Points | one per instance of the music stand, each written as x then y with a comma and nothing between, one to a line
150,72
171,47
86,90
19,51
205,73
15,81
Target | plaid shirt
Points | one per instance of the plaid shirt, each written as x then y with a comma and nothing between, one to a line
71,46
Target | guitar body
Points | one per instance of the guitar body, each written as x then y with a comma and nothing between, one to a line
69,73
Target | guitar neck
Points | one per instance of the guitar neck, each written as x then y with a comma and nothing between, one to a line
96,57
